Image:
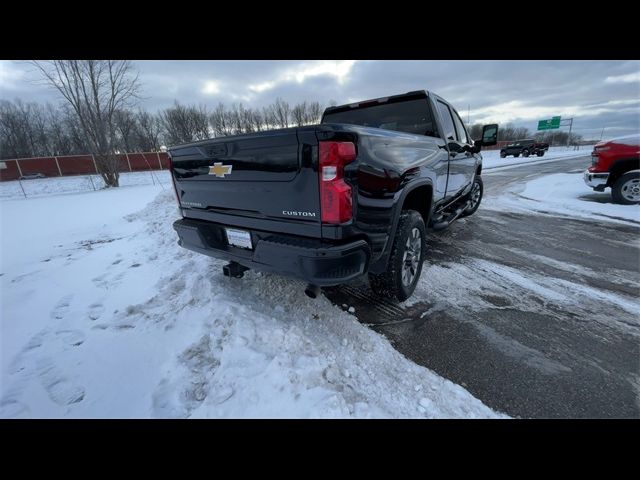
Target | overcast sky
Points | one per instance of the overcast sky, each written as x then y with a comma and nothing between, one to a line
596,93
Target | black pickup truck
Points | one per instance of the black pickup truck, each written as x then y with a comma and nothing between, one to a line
524,148
331,202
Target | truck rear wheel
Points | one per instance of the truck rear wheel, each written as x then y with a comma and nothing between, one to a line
626,189
503,154
405,263
540,154
525,153
475,195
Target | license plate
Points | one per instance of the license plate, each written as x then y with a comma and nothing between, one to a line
239,238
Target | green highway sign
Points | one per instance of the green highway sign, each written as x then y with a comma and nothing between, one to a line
549,124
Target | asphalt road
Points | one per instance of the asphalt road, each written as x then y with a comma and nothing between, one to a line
535,315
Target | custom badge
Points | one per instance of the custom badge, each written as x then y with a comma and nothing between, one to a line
220,170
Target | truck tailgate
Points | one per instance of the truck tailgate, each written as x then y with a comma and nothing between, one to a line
265,181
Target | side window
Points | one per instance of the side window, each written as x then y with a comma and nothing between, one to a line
449,130
462,134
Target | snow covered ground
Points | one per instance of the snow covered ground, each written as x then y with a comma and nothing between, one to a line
491,158
103,315
564,194
81,183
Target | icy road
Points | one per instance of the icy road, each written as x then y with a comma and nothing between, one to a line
532,304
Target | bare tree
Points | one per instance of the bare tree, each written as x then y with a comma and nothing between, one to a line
281,113
299,114
314,113
257,121
220,123
126,128
269,117
95,90
14,139
521,133
184,124
58,134
236,116
475,131
149,131
24,129
306,113
32,129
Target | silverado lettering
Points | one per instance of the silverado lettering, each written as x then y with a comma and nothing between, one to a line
379,172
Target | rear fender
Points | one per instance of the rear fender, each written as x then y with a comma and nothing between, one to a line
380,265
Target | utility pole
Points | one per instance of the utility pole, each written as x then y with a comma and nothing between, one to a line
468,113
601,134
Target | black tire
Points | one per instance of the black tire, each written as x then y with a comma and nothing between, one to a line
390,283
525,153
539,154
503,154
542,153
626,189
477,184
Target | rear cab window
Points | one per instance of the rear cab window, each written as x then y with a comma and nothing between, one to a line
409,116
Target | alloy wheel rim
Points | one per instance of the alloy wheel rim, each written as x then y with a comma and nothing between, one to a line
411,257
475,196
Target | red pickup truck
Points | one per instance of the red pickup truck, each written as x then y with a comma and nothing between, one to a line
616,164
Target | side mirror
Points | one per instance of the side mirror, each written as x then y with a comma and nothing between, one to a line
489,137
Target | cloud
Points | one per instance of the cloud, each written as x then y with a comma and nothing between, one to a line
628,78
10,75
339,69
598,93
520,110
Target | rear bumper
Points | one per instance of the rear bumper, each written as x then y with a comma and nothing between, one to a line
308,259
596,180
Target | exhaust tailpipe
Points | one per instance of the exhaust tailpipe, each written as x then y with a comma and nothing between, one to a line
312,291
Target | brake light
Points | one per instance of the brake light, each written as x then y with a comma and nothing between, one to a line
335,194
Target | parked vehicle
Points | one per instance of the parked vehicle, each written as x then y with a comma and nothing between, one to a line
616,164
524,148
331,202
31,176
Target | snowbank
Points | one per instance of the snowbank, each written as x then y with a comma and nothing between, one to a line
564,194
103,315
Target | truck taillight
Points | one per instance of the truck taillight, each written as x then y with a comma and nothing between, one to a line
335,194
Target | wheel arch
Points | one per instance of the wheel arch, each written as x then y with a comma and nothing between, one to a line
411,198
622,166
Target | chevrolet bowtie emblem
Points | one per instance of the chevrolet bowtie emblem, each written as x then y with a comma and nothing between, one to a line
220,170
